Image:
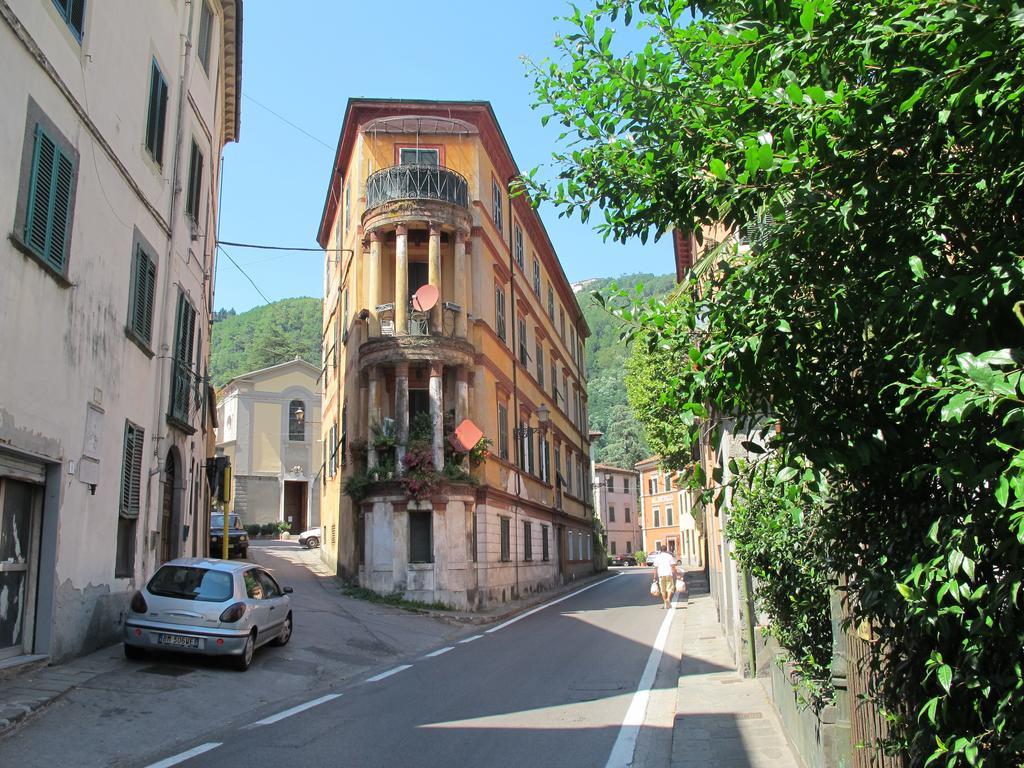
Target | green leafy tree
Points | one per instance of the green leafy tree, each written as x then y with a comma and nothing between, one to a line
871,154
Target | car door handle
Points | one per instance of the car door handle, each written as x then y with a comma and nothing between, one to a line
273,607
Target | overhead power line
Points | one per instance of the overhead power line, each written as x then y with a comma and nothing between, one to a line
261,293
284,119
275,247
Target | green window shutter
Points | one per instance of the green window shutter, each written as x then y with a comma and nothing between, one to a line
143,290
195,182
149,296
157,114
131,470
49,201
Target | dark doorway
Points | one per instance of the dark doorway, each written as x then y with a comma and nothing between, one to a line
419,402
418,275
168,513
295,505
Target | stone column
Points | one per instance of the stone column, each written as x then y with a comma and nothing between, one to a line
434,275
401,412
462,280
373,415
461,395
437,414
402,283
373,284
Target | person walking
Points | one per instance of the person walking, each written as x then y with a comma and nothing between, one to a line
665,574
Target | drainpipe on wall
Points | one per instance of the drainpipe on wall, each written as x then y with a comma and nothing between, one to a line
513,324
164,357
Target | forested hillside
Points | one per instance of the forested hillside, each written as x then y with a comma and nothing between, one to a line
623,443
264,336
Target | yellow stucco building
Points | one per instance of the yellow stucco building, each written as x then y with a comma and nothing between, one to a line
419,197
268,424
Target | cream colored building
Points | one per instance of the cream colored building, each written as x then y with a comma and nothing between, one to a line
419,198
115,116
616,501
269,426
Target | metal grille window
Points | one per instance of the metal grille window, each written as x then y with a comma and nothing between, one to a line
205,35
496,205
50,192
420,546
506,540
527,541
520,257
545,553
296,420
195,183
156,118
418,156
503,432
140,308
499,312
536,277
73,12
524,356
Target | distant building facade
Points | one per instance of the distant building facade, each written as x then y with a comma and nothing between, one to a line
419,199
667,514
616,501
269,426
115,116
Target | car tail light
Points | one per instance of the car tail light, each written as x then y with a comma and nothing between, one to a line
233,613
138,604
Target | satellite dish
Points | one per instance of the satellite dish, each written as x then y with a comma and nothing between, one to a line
466,436
425,298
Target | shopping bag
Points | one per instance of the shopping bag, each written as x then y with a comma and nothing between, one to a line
655,592
680,584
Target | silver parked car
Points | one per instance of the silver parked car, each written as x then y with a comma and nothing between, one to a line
211,607
310,539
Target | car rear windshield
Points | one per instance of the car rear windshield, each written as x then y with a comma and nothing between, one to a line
189,583
217,523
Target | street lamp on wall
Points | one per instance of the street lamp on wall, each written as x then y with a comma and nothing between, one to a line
542,420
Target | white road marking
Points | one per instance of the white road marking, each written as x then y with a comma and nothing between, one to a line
181,757
548,605
625,742
439,651
389,673
294,710
471,639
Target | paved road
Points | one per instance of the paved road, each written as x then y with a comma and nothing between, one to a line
553,687
130,710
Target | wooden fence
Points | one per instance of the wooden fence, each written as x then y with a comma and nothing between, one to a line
867,722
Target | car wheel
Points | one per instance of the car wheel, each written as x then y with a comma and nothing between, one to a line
243,660
312,542
134,653
285,634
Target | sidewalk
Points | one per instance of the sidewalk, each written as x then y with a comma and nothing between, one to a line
721,718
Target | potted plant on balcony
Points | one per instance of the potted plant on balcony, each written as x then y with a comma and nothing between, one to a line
383,440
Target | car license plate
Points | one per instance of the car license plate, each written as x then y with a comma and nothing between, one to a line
179,641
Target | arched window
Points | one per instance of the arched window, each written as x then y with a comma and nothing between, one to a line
296,420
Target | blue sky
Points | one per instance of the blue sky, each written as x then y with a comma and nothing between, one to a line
303,60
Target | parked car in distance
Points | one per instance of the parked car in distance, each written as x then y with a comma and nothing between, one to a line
310,539
209,607
622,560
238,538
650,558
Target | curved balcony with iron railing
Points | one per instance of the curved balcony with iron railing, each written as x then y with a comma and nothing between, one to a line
416,182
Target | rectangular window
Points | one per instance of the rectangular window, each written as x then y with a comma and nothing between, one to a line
420,548
572,345
418,156
184,381
568,472
73,12
323,465
613,547
344,317
629,547
627,515
527,541
499,311
625,485
157,115
195,183
611,514
657,517
536,277
540,365
545,553
554,381
348,209
668,515
551,303
143,292
561,323
475,548
545,460
609,483
503,432
520,259
668,483
524,356
50,191
333,449
506,540
205,35
496,205
344,432
131,499
652,486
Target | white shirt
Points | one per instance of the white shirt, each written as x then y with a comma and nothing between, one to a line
665,563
